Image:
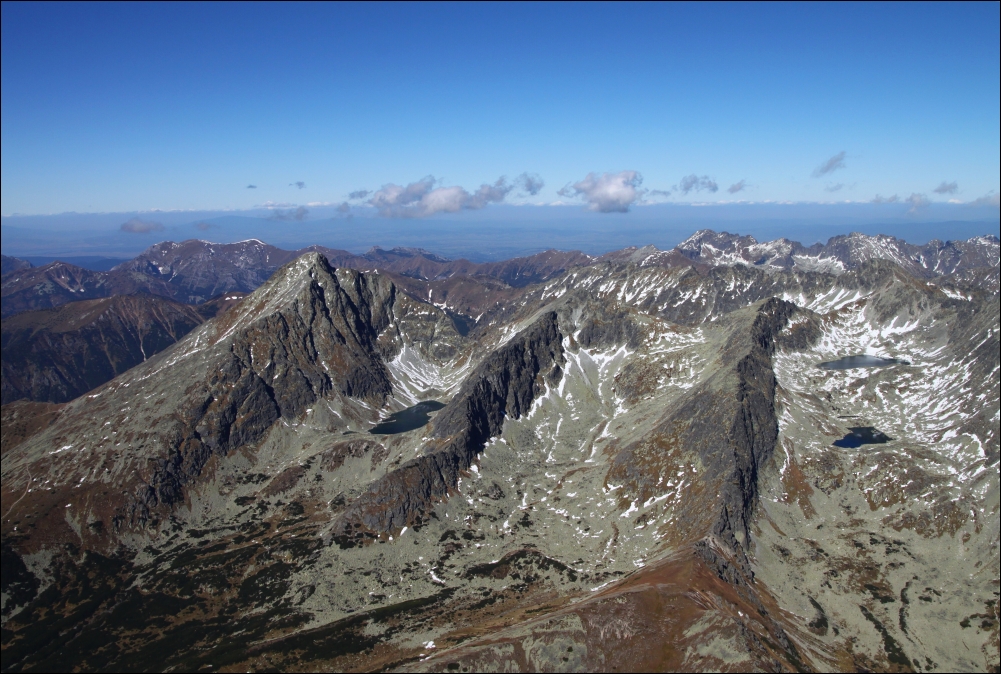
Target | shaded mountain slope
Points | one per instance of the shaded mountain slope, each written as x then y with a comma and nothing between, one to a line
196,270
58,354
9,264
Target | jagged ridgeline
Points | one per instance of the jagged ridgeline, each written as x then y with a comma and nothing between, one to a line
630,462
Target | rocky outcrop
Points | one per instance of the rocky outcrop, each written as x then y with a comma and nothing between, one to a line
753,429
728,425
605,328
503,385
322,339
312,332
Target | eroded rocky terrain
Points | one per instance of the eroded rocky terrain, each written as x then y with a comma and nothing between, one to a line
633,468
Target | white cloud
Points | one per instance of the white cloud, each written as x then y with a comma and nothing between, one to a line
947,188
609,192
737,187
420,199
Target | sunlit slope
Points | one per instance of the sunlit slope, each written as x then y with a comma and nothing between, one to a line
890,551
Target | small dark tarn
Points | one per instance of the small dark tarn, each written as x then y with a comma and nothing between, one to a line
862,435
851,362
408,419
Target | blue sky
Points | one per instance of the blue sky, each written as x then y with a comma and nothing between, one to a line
135,107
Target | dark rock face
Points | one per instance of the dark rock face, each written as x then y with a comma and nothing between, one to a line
504,384
605,328
324,340
10,264
17,582
58,354
312,333
740,400
754,428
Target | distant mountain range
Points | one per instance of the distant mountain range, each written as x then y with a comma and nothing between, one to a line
633,461
194,271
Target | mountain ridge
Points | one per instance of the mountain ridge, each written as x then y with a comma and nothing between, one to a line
616,439
195,270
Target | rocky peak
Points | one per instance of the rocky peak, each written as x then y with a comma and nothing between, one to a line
706,238
198,270
311,332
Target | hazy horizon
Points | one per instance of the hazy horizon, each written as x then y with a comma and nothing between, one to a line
497,233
